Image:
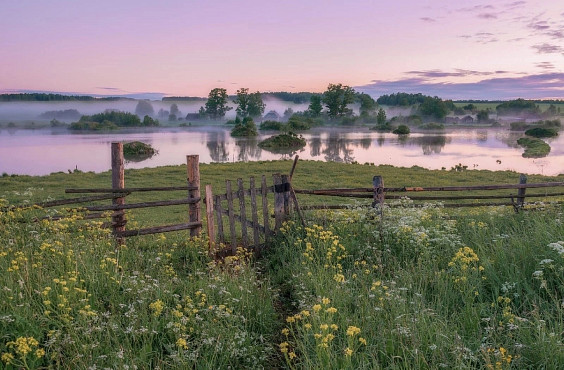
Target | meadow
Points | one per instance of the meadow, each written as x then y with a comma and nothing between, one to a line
420,288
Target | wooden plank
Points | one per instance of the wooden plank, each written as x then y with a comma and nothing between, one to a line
219,218
250,224
265,215
209,217
160,203
231,214
160,229
432,188
62,202
254,210
129,190
278,202
194,209
243,210
118,182
269,189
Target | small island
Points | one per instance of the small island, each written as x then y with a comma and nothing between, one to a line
283,142
136,151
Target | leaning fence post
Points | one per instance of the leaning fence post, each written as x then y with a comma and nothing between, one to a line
286,194
118,182
521,191
378,185
193,164
209,217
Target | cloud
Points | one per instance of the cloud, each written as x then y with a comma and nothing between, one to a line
481,37
435,73
546,48
515,4
539,86
545,65
428,20
476,8
487,16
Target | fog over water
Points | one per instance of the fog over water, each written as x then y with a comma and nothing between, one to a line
43,151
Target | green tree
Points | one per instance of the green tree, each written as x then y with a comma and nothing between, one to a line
367,104
336,99
433,107
381,117
216,106
315,107
483,115
144,108
249,105
246,127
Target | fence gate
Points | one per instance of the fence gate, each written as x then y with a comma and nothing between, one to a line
246,212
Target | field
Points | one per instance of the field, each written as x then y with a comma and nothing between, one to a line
421,288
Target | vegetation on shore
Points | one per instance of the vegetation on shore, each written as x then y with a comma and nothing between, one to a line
534,148
244,128
424,288
138,151
288,140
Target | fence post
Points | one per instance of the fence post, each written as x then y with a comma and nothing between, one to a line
521,191
194,209
209,217
378,185
118,182
286,194
278,201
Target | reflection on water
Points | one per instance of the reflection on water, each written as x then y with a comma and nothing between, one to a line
38,152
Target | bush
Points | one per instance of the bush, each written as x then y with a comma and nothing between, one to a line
432,126
289,140
534,148
402,130
541,132
246,128
94,126
271,125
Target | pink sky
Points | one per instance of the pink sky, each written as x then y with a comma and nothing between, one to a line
470,49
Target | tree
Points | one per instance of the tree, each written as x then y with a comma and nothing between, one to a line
336,99
367,104
144,108
315,106
483,115
381,117
433,107
216,106
249,105
288,113
174,110
246,127
163,113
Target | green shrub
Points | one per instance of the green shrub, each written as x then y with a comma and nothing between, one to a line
402,130
541,132
534,148
245,128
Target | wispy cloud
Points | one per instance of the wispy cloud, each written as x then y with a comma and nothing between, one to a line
515,4
539,86
475,8
487,16
435,73
428,19
546,48
481,37
545,65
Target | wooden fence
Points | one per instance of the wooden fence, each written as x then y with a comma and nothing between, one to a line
238,212
378,193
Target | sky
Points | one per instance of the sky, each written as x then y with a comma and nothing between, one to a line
455,50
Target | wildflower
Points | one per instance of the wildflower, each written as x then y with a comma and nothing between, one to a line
157,307
283,347
316,307
181,343
325,300
285,331
323,326
362,340
352,331
292,355
8,358
334,327
331,310
348,352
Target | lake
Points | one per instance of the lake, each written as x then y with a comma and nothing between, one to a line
43,151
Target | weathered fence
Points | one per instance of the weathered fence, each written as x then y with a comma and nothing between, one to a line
379,193
238,212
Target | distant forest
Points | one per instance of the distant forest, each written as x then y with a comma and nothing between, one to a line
397,99
51,97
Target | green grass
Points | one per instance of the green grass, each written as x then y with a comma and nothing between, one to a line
422,288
